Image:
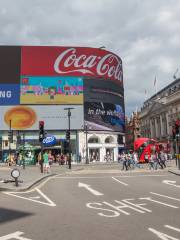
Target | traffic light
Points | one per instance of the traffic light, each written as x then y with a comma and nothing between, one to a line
41,131
68,135
10,136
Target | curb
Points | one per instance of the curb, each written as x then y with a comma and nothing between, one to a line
21,189
174,172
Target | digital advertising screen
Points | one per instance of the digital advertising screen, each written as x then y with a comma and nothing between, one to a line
104,105
104,116
28,116
51,90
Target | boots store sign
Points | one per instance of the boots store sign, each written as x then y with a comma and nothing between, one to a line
72,61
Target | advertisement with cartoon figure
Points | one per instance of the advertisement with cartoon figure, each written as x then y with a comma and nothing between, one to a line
51,90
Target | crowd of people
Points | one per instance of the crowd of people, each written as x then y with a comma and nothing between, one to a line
154,160
49,158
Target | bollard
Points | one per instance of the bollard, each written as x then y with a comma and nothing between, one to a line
15,173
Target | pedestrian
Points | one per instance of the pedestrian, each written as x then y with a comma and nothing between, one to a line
156,160
135,159
151,161
62,160
162,159
46,166
146,157
124,161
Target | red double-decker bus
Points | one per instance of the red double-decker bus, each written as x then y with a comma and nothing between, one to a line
144,145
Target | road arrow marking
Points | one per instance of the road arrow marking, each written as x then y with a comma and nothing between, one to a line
88,187
172,183
41,194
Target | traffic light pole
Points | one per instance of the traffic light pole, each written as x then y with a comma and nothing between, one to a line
23,150
69,128
41,137
86,131
10,140
41,161
69,140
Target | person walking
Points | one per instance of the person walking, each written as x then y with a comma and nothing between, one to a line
124,161
46,166
151,161
162,159
156,160
135,159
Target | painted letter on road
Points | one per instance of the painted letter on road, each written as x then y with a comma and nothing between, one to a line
15,235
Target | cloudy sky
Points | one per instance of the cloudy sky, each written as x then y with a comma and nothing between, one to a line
144,33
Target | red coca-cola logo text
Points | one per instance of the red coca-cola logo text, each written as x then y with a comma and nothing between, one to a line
54,61
70,61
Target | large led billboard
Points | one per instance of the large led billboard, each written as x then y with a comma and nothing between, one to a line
10,62
51,90
71,61
41,76
104,105
28,117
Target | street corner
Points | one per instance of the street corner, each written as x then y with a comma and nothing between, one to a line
174,171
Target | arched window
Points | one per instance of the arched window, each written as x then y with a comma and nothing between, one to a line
109,139
93,140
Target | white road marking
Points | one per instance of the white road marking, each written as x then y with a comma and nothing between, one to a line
172,183
162,203
48,201
118,207
98,177
109,212
15,235
173,228
88,187
161,195
119,181
138,205
36,197
161,235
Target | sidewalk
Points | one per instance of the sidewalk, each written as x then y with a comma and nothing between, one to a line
30,176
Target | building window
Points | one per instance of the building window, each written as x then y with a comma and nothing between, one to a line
93,140
109,140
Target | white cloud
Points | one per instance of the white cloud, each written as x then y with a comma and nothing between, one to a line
145,34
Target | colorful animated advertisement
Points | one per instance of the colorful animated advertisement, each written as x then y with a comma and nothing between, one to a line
51,90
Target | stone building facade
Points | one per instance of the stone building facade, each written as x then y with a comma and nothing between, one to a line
159,113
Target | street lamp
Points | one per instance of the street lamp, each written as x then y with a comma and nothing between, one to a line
23,150
69,134
86,129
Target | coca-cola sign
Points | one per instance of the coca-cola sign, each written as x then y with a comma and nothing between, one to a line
63,61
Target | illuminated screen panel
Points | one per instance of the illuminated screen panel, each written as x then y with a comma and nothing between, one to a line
104,105
28,117
104,116
51,90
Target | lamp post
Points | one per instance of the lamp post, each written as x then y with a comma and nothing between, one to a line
87,157
69,134
23,150
10,138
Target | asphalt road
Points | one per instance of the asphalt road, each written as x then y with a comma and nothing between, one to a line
102,206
